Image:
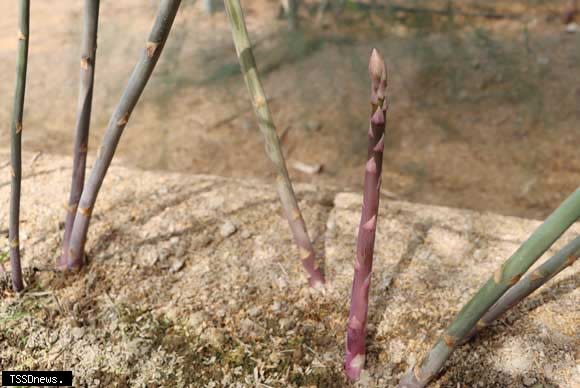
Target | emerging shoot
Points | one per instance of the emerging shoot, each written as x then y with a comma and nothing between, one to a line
356,332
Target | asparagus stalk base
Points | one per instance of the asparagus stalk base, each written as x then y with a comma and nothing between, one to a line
137,82
85,102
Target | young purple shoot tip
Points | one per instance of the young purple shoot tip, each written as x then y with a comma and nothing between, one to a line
16,144
137,81
356,330
85,100
273,149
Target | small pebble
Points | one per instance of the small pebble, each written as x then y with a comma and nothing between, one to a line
227,229
197,321
529,381
245,234
214,337
77,332
312,125
176,266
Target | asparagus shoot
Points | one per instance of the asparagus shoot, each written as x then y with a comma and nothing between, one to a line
273,150
356,332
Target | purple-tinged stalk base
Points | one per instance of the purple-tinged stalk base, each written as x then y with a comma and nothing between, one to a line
87,76
135,86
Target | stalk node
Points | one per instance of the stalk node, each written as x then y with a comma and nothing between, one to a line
497,275
123,120
85,62
536,275
296,215
259,102
417,372
72,208
514,279
354,323
371,166
151,47
449,340
370,224
380,147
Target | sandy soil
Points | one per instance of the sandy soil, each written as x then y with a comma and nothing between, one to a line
194,281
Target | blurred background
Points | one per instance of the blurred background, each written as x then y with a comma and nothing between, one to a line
484,94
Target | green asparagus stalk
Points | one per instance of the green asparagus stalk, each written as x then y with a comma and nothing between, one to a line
563,259
356,331
16,144
85,101
135,86
292,14
504,278
273,150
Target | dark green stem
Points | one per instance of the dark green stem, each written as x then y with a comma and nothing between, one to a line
16,144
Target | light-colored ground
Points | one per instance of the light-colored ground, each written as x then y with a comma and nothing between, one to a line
170,299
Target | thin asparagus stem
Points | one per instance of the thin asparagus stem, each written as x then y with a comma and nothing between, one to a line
273,150
85,101
137,82
292,14
16,144
356,331
504,278
563,259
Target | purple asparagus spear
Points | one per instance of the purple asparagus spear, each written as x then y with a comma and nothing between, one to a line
356,332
